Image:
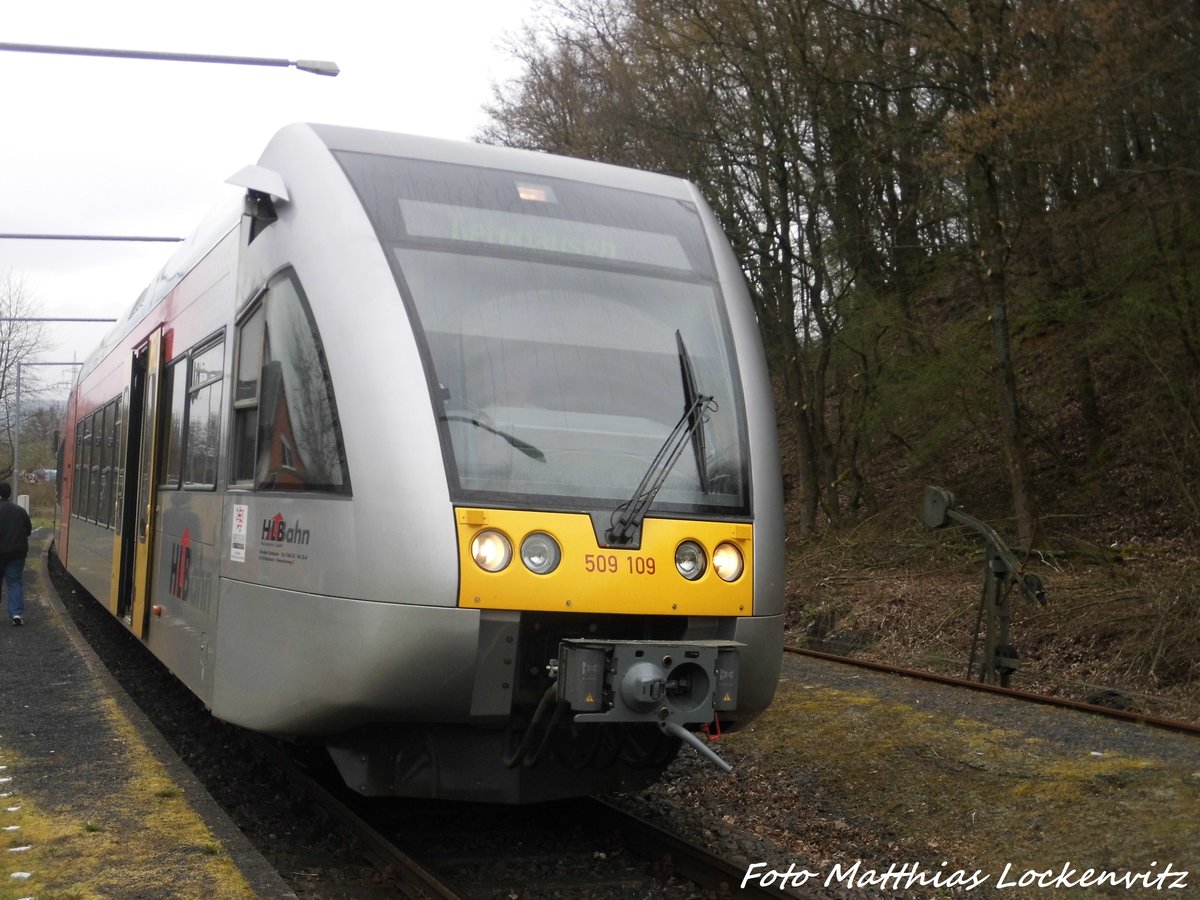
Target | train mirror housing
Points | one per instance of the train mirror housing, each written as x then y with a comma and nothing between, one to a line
261,180
263,188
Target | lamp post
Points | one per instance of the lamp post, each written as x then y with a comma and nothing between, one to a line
30,236
315,66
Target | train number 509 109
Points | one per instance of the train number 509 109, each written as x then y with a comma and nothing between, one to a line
610,564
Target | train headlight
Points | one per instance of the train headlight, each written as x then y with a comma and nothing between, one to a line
540,553
690,560
727,562
492,550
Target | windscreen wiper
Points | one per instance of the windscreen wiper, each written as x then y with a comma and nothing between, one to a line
628,516
691,393
524,446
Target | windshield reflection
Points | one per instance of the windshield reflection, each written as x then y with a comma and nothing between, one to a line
581,365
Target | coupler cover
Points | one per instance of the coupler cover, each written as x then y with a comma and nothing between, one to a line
681,682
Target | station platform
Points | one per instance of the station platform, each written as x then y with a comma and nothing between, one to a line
93,802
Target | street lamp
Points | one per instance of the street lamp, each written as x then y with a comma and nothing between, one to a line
316,66
132,238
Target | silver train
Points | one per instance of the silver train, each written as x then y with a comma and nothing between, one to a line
459,460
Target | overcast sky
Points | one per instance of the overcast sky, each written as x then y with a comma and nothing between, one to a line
112,146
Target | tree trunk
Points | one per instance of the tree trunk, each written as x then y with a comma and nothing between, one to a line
996,292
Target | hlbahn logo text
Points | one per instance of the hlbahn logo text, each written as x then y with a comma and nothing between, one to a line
278,530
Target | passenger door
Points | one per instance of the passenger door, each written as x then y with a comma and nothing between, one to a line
134,544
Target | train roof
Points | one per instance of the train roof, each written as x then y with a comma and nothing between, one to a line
294,142
533,162
219,222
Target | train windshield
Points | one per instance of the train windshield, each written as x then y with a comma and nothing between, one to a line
553,316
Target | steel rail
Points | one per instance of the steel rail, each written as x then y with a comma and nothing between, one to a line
687,860
382,852
1028,696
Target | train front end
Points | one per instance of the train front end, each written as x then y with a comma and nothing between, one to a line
601,402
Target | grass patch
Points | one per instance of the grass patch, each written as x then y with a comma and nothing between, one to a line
137,838
950,786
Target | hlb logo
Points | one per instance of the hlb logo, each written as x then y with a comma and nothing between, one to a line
277,530
181,564
188,581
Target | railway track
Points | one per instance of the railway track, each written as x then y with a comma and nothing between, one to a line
1060,702
588,849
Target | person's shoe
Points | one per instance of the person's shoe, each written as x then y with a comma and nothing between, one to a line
17,620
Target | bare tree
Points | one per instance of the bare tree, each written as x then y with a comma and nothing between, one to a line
21,342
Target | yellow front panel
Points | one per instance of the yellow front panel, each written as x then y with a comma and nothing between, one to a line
591,579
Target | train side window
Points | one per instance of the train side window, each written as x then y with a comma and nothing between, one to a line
85,469
104,510
174,395
287,432
203,441
77,474
299,435
96,495
245,395
118,468
60,452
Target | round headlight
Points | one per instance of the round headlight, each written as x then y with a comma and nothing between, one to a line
492,550
727,562
540,553
690,560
